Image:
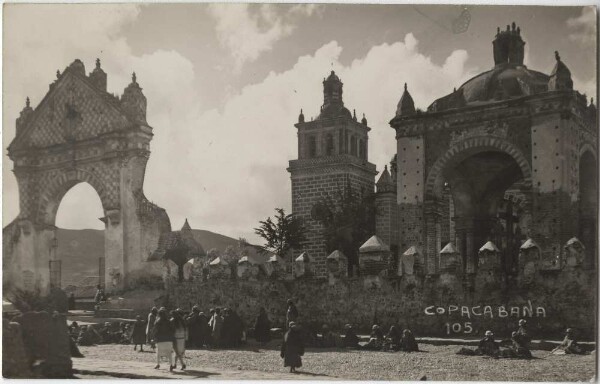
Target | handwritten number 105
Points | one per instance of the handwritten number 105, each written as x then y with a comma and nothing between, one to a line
458,327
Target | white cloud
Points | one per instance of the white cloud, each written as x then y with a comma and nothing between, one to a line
584,26
248,31
223,169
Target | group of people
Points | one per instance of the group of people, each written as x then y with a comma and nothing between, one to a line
519,345
85,335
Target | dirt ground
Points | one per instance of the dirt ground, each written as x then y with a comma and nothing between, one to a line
434,362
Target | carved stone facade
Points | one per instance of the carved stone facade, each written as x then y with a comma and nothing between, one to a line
509,156
81,133
332,154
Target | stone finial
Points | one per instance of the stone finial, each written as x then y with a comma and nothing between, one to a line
364,120
556,55
27,102
133,78
57,74
301,116
98,63
354,114
513,26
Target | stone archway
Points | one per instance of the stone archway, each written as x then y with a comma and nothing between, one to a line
81,133
476,175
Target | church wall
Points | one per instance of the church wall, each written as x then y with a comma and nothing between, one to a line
557,301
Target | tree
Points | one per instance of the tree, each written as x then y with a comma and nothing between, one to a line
348,220
282,233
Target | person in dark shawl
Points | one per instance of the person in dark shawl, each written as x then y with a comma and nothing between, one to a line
523,337
237,331
204,335
408,342
376,339
292,312
569,345
152,317
516,350
164,335
138,336
392,339
292,347
350,337
488,346
194,328
227,332
216,325
262,327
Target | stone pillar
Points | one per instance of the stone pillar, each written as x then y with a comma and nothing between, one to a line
302,265
529,261
337,265
574,253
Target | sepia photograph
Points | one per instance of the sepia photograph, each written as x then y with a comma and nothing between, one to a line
300,191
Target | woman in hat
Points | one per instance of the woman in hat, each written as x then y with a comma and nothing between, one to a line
292,347
180,333
164,337
138,336
150,327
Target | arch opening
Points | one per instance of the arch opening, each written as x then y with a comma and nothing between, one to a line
79,239
477,194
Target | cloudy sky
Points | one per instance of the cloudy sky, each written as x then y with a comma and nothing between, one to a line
225,84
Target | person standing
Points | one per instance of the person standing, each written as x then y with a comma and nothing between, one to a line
292,348
292,312
216,326
138,336
262,327
164,337
99,296
194,328
180,333
152,316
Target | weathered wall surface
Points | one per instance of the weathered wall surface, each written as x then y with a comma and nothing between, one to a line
433,306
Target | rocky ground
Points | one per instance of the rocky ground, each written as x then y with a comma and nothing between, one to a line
434,362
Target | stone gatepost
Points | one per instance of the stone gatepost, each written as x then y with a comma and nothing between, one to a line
489,266
248,268
450,266
275,267
529,259
373,257
410,262
337,266
574,253
219,269
373,261
302,265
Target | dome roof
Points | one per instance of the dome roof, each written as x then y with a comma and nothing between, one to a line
334,110
503,82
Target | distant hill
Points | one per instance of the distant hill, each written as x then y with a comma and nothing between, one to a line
81,249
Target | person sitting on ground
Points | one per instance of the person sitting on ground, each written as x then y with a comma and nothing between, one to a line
408,342
327,337
569,345
488,346
262,327
74,330
88,336
350,337
138,336
523,337
517,349
292,347
376,340
392,339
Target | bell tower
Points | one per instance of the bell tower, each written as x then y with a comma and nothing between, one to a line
332,153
